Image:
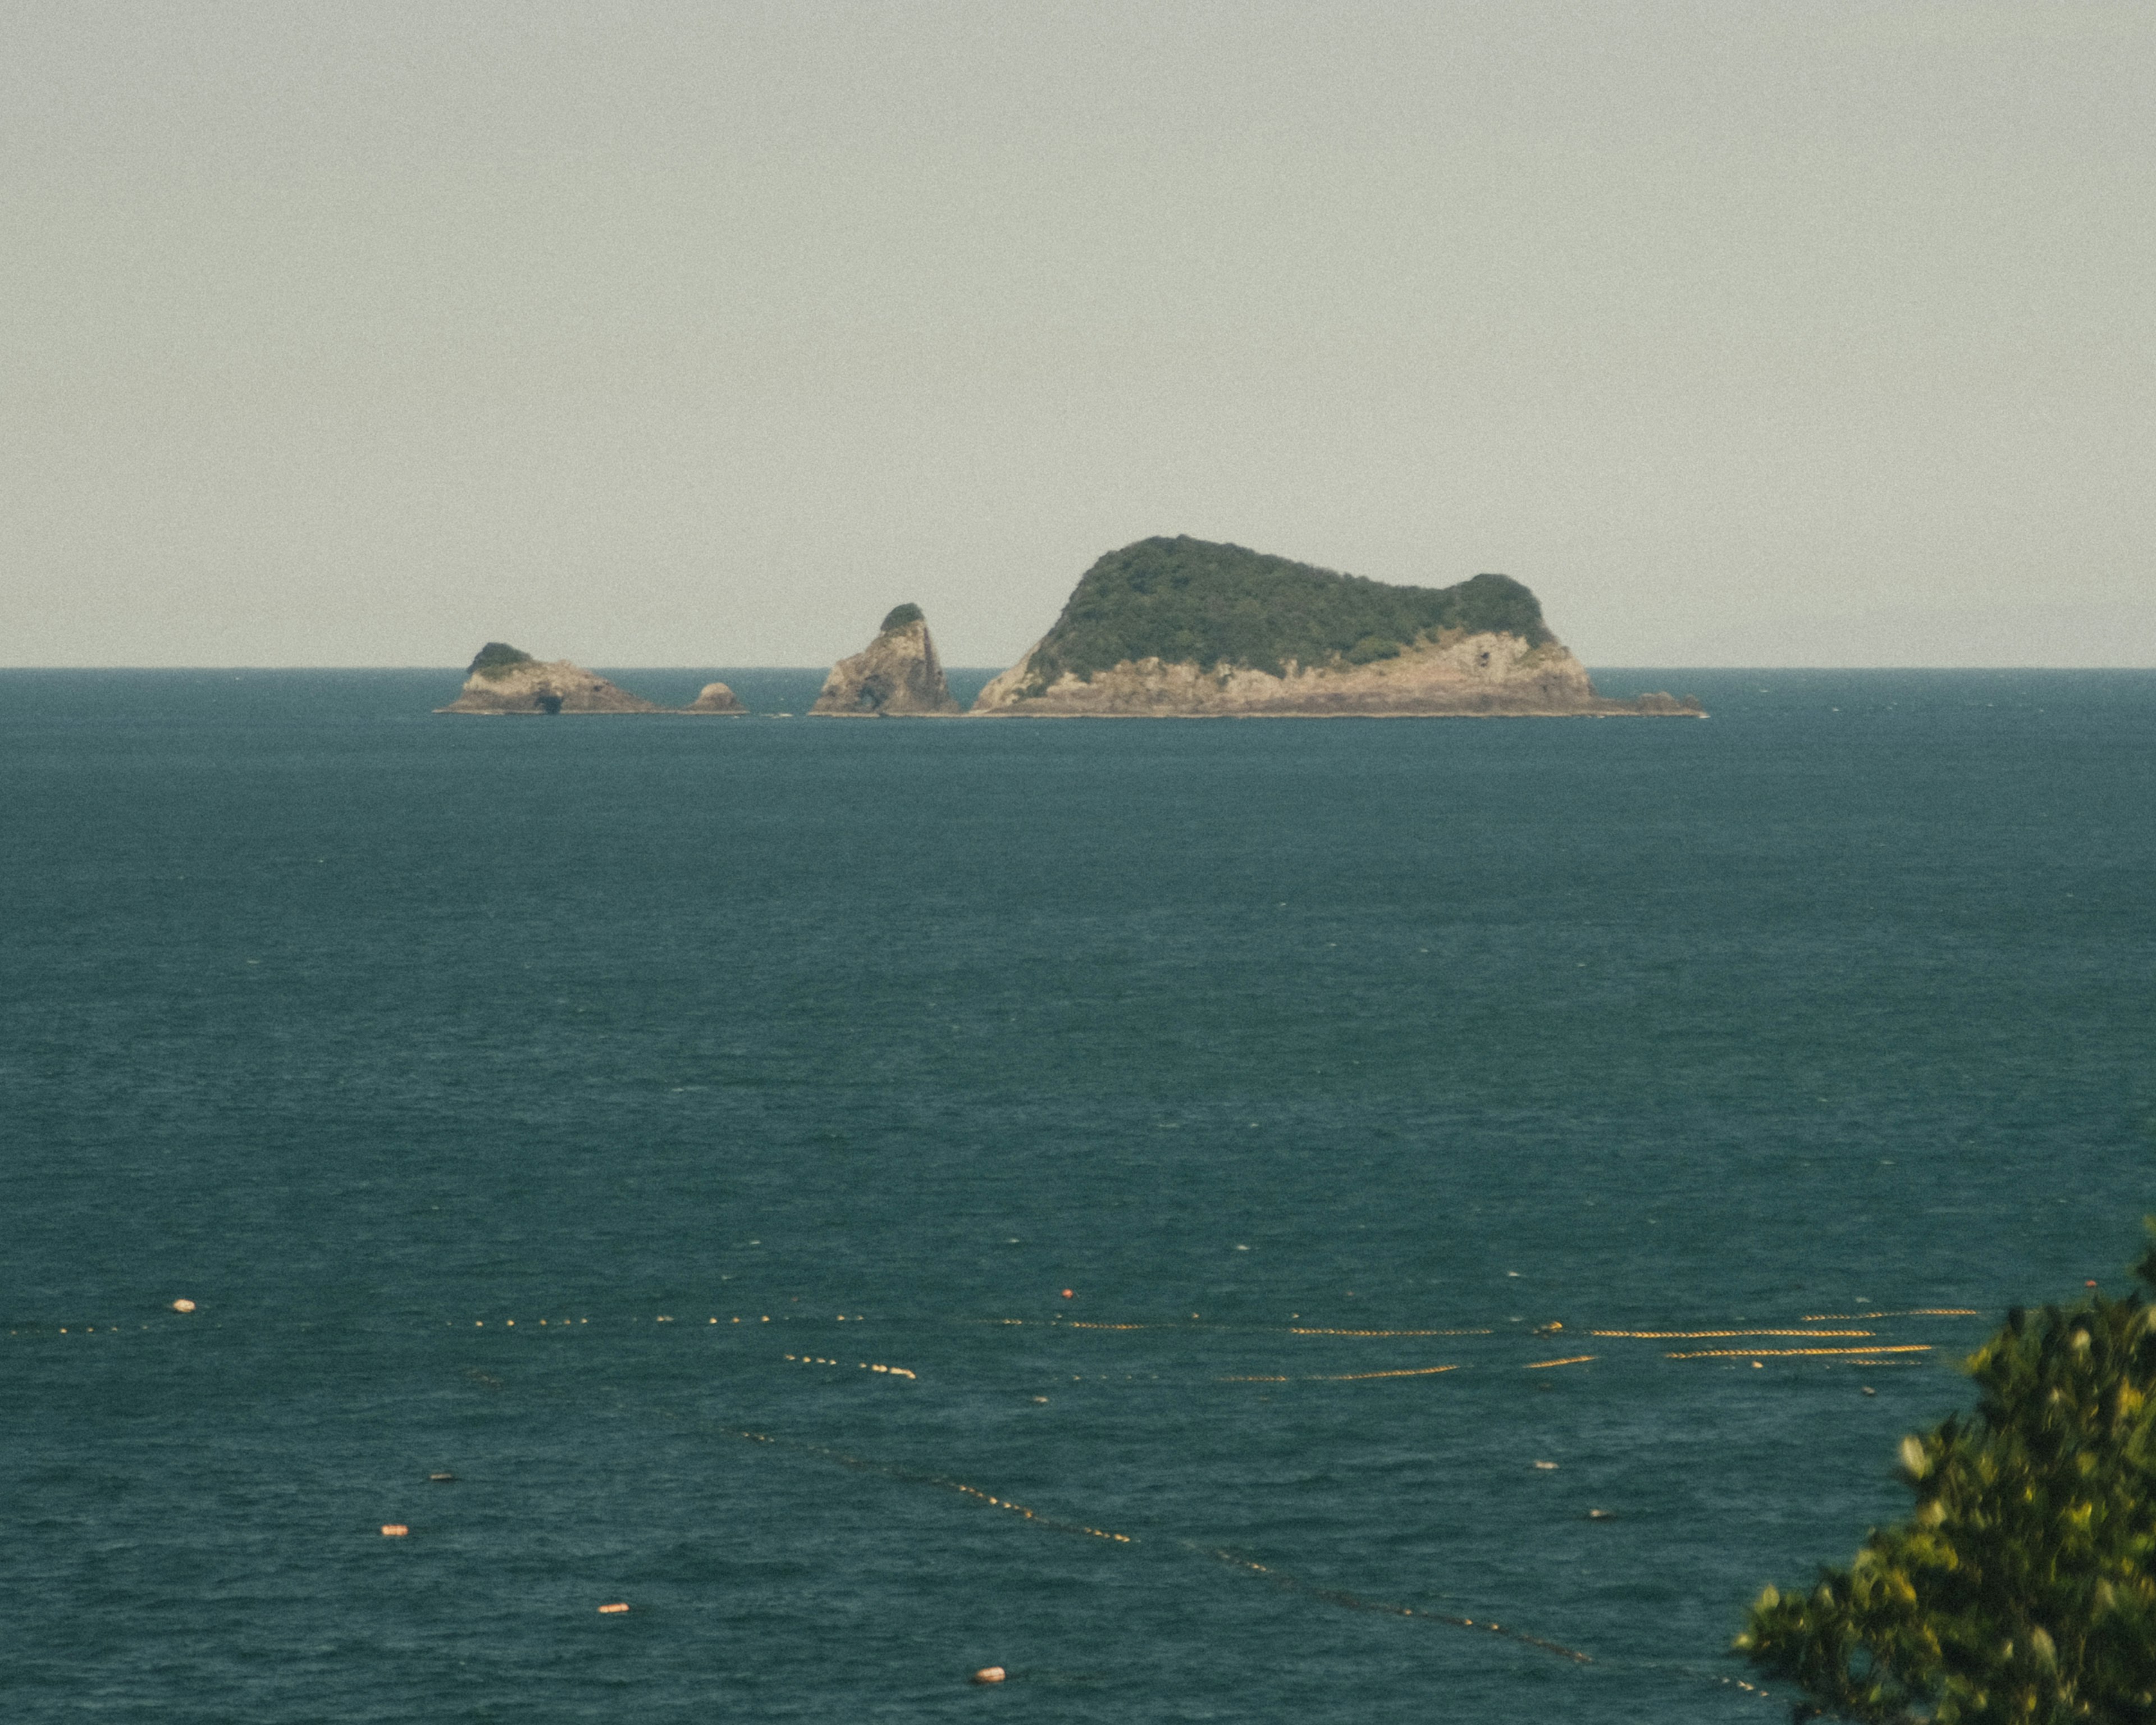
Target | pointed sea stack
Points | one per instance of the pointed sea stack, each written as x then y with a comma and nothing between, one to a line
1183,628
717,698
898,676
502,680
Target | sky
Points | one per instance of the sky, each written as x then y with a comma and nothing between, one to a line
1774,334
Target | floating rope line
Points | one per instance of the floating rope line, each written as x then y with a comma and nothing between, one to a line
1791,1352
808,1359
1344,1377
1578,1359
915,1476
1295,1331
1710,1335
1081,1324
1331,1596
1836,1318
1356,1602
1339,1597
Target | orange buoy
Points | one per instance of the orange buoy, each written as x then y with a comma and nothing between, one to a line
394,1530
183,1306
1066,1295
612,1610
990,1674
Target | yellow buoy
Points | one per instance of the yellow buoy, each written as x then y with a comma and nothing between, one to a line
612,1610
183,1306
990,1674
394,1530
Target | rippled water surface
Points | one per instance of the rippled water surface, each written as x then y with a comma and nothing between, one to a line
588,1109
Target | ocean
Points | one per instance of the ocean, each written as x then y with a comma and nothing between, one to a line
1299,1220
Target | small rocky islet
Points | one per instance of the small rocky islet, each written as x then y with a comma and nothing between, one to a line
1181,627
896,675
505,680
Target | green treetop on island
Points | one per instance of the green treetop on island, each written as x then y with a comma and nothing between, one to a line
2024,1586
496,660
898,617
1187,600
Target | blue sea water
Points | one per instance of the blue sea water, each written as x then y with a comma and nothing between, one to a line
586,1108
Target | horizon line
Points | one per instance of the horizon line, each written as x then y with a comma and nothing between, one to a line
993,670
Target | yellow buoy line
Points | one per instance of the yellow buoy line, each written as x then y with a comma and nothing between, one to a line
563,1325
1714,1335
1356,1602
1792,1353
1539,1365
1301,1329
1078,1323
1340,1376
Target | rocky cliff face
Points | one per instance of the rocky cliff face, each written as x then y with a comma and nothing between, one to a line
897,676
504,680
715,698
1456,673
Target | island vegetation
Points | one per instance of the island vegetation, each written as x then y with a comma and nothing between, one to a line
1187,600
496,660
898,617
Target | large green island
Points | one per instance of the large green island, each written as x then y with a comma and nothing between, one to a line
1184,627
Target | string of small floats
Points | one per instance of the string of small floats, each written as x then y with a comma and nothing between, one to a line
1336,1597
980,1495
1869,1350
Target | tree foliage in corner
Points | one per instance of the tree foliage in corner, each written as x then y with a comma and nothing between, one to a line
1190,601
2024,1586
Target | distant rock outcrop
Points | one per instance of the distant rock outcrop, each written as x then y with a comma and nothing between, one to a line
715,698
1180,628
503,679
898,676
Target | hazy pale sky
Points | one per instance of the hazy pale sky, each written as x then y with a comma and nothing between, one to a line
657,334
